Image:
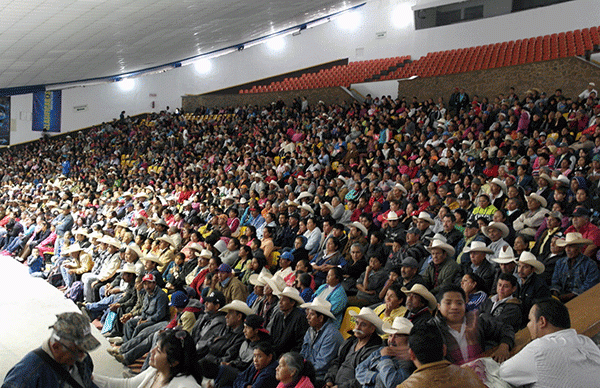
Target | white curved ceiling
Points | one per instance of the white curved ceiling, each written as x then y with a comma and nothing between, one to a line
57,41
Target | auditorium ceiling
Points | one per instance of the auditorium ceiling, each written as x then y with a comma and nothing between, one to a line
56,41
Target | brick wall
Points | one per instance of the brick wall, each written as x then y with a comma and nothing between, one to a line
329,95
570,74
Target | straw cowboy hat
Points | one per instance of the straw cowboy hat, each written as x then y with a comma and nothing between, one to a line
573,239
277,284
328,206
424,216
478,246
360,227
80,231
167,239
112,241
291,293
304,194
392,216
237,305
496,225
319,305
441,245
261,278
307,208
151,258
547,178
128,268
136,249
197,247
421,290
500,183
400,325
529,258
538,198
72,248
96,235
369,315
506,256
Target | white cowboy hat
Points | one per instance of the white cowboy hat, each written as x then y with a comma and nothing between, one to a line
291,293
506,256
400,325
205,253
237,305
529,258
72,248
538,198
307,208
369,315
136,249
478,246
122,224
141,195
392,216
424,216
500,183
421,290
496,225
151,258
195,246
562,179
360,227
112,241
81,231
328,206
261,278
573,239
128,268
441,245
292,203
547,178
319,305
277,284
96,235
304,194
401,188
167,239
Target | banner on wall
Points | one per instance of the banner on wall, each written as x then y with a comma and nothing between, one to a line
46,111
5,120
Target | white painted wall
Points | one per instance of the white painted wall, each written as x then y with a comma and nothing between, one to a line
321,44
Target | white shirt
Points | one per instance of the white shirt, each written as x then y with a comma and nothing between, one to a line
561,359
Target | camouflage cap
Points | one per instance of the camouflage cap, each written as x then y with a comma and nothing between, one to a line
75,327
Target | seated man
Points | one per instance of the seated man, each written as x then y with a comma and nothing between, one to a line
531,284
322,339
211,322
467,337
479,265
289,324
224,346
420,304
504,306
575,273
390,365
230,285
442,270
363,341
427,350
557,356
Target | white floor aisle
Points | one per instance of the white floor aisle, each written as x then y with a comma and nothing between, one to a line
27,307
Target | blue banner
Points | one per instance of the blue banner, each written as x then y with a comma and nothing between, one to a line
46,111
5,120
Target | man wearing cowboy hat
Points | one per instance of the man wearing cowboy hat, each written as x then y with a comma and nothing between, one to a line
92,281
496,232
322,339
414,246
420,304
61,361
424,223
582,224
363,341
289,324
530,221
390,365
442,270
497,192
479,265
392,228
575,273
531,284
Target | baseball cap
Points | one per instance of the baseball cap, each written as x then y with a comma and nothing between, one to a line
224,268
287,256
216,297
149,278
414,230
463,195
75,327
581,212
409,262
179,299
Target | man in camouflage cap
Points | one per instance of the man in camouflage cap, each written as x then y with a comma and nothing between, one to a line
62,360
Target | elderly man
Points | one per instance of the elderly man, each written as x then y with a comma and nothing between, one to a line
62,360
582,224
322,339
363,341
496,232
427,349
289,324
575,273
390,365
531,285
479,265
528,222
230,285
420,304
442,270
557,356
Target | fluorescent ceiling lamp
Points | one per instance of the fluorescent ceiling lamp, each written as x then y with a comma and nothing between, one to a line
203,66
349,21
127,84
402,16
276,43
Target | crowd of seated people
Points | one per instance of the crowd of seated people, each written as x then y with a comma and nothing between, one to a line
255,228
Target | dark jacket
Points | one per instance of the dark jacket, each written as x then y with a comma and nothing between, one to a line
534,288
508,312
265,378
206,327
225,347
485,271
288,331
374,343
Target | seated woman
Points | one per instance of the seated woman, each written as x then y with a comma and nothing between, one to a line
393,304
474,287
330,257
172,365
333,292
467,336
294,371
261,372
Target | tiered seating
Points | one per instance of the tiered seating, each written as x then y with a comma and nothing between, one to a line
522,51
353,72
